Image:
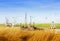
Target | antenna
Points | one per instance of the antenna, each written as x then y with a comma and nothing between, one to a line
30,20
14,21
46,18
53,25
25,19
7,21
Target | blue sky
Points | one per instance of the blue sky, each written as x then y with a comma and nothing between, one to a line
42,11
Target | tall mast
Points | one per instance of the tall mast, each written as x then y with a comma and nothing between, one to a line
53,24
7,21
30,20
25,19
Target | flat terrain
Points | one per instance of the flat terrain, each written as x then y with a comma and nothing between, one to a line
17,34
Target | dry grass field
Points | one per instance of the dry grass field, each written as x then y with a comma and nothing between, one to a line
16,34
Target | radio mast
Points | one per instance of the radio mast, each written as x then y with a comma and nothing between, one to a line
25,19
